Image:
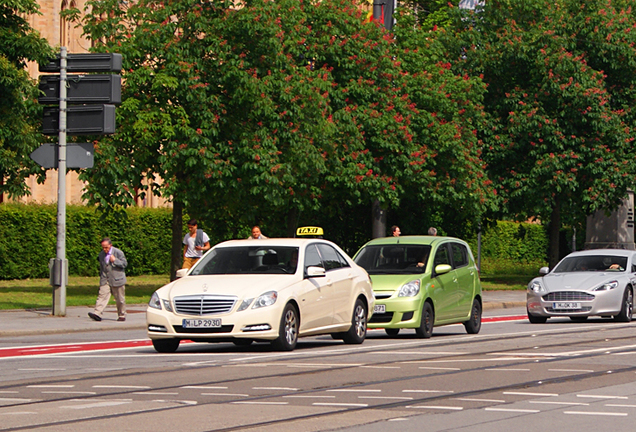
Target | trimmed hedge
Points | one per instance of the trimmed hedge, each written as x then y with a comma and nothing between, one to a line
28,239
521,242
28,236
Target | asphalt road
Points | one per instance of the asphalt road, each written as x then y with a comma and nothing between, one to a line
512,376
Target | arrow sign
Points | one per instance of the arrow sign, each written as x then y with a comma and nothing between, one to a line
78,155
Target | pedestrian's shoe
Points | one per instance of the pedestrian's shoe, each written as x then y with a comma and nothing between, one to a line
94,316
121,319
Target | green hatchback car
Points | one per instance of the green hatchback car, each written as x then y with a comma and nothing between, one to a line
421,282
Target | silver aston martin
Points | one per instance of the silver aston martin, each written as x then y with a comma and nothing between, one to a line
586,283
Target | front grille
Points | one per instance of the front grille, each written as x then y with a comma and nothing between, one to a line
566,311
204,304
381,317
208,330
568,296
382,296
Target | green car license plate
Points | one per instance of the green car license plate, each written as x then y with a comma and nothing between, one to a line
202,323
379,308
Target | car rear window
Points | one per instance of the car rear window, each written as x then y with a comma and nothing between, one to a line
248,260
393,259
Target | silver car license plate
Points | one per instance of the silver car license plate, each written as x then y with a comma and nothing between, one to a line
379,308
566,305
202,323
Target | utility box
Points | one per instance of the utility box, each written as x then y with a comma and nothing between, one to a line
615,231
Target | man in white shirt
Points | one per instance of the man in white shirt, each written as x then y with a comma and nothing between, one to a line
195,244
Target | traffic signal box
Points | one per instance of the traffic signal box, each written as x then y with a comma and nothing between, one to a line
91,99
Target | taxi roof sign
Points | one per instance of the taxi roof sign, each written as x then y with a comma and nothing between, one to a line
306,231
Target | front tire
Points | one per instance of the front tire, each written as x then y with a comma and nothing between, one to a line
473,325
425,330
627,308
536,319
288,330
165,345
358,330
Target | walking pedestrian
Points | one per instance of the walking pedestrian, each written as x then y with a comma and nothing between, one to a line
256,234
432,231
196,242
395,231
112,280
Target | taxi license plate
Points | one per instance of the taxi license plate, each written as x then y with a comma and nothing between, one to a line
202,323
379,308
566,305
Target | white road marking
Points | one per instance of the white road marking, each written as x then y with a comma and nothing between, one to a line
16,400
275,388
225,394
511,410
260,403
571,370
482,400
156,393
381,367
559,403
439,407
427,391
19,413
394,353
51,386
530,394
9,391
68,392
205,387
385,397
438,368
601,396
620,405
596,413
339,404
356,390
41,370
95,405
120,387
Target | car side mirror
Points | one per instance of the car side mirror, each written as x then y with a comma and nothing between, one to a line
181,273
313,272
544,270
442,269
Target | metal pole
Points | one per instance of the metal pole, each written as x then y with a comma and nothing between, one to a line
379,220
479,246
59,292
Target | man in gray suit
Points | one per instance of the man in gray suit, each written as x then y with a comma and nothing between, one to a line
112,280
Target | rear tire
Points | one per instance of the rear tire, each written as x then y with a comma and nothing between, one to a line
288,330
627,308
535,319
358,330
165,345
473,325
425,329
392,332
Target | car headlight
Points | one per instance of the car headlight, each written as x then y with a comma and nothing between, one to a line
245,304
155,301
607,286
410,289
266,299
535,286
167,306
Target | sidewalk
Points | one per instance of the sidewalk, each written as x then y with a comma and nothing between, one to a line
22,322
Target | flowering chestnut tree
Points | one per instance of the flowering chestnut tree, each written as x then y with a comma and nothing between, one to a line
560,99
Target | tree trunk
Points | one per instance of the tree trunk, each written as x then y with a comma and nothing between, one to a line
292,222
176,259
554,228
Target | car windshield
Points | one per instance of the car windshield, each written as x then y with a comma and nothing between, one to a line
592,263
248,260
393,259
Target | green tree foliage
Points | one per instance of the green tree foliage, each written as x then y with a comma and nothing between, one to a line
560,96
276,111
19,110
